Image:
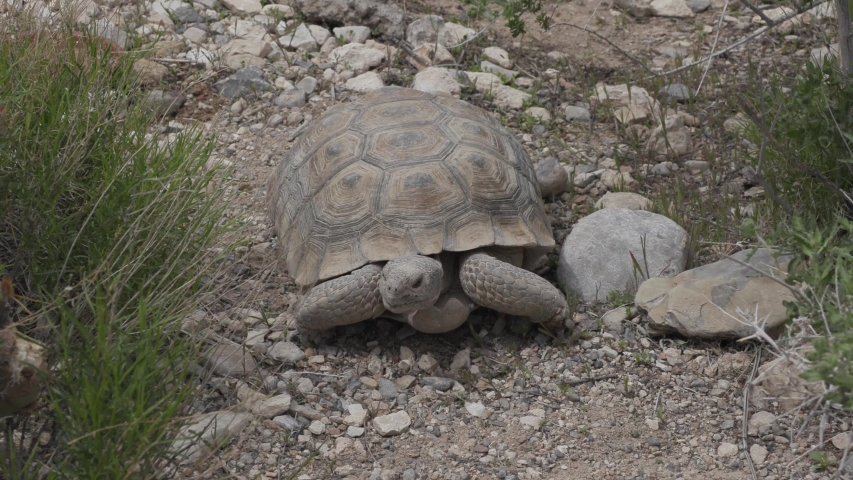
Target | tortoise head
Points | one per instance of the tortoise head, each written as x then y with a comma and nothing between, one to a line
410,283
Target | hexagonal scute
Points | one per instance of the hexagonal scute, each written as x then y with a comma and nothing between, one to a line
390,95
512,230
416,194
280,195
381,242
335,154
517,157
535,216
392,115
342,256
304,258
428,239
344,203
490,182
459,108
417,143
477,134
470,229
325,128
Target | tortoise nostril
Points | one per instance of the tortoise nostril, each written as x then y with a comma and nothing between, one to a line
417,283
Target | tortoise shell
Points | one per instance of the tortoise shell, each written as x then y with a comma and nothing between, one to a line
402,172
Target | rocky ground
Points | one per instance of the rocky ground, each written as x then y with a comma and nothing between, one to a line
496,398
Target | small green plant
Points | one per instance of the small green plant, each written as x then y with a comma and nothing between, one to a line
505,79
626,390
821,460
624,297
565,389
643,358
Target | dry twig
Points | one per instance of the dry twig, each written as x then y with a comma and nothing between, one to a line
744,430
742,41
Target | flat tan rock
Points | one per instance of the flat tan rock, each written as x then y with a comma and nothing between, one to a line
704,302
150,72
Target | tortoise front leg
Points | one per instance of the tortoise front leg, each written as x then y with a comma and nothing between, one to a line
506,288
341,301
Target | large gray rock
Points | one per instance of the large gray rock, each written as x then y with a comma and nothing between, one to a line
301,38
211,429
273,406
437,80
384,17
356,57
579,114
698,6
596,256
229,359
498,56
244,82
673,138
355,34
160,103
291,99
258,48
424,30
672,8
366,82
552,177
490,67
503,95
623,95
286,352
704,302
250,7
108,30
454,34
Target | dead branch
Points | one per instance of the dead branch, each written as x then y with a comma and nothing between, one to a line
713,46
742,41
767,20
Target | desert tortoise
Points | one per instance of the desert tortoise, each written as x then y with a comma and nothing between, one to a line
412,206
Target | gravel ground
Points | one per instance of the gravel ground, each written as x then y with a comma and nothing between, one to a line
496,398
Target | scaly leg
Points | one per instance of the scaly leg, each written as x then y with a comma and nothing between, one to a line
506,288
341,301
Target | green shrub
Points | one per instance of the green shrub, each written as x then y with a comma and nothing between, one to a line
806,127
823,266
105,231
821,274
801,135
